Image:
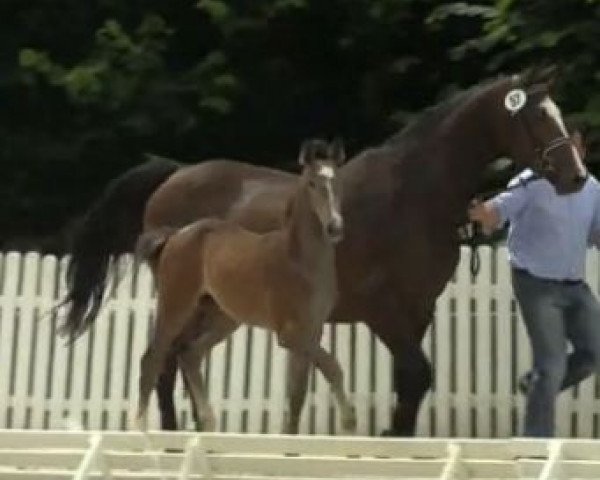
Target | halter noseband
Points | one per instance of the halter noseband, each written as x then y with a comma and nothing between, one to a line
553,144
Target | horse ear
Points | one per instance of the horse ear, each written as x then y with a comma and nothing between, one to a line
307,153
337,151
540,76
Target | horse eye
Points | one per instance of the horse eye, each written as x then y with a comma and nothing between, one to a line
541,113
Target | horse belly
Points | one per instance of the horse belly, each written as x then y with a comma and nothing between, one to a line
235,277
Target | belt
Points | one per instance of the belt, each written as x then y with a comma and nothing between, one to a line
566,281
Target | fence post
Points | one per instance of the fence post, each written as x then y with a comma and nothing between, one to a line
553,467
93,458
454,469
195,454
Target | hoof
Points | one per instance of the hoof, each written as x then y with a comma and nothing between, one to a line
390,432
290,430
349,421
209,423
290,426
141,423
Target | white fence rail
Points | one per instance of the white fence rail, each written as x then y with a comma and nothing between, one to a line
129,455
477,345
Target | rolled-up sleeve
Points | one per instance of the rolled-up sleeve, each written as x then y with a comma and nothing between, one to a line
510,203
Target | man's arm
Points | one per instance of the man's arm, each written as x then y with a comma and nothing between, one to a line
486,214
494,212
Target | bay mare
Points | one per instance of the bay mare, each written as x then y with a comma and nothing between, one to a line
404,202
283,280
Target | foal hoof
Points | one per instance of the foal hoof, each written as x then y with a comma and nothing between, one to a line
349,422
209,423
289,429
141,423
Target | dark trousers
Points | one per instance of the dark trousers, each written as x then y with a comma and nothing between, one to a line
556,313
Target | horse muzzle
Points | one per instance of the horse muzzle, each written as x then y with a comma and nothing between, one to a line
335,231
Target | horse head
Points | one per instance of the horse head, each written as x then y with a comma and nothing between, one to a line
320,163
533,132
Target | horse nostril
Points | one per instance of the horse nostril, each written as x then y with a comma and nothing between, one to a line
580,179
334,230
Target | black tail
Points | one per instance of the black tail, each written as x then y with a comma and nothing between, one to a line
110,227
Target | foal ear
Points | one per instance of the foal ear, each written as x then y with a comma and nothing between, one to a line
306,154
337,151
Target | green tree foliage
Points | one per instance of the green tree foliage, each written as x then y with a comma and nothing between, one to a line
88,87
565,33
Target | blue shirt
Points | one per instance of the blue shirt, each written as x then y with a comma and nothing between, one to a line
549,233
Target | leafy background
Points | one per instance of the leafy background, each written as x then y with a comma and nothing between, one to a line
88,88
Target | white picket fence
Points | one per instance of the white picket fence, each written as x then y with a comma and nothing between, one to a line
43,455
477,345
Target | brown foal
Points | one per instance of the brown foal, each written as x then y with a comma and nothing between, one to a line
213,275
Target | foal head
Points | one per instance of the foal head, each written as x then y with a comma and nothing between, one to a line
534,132
320,163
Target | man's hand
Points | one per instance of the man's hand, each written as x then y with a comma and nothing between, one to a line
485,214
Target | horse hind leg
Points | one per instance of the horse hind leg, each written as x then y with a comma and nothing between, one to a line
189,360
164,389
150,368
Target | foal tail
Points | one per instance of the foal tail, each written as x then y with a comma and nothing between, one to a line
110,227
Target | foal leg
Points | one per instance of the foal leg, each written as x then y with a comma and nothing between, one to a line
304,347
296,387
189,360
216,328
165,388
166,381
329,366
176,304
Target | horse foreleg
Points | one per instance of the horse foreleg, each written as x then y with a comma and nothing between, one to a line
296,387
411,368
329,366
412,380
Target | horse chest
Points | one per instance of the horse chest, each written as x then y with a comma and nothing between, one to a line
303,294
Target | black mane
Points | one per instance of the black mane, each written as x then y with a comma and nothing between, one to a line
433,115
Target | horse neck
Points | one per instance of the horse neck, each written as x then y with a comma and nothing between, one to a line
471,144
306,242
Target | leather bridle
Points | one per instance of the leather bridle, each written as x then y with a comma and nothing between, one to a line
543,151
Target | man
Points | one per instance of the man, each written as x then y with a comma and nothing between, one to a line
547,244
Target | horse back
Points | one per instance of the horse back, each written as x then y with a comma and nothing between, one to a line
250,195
